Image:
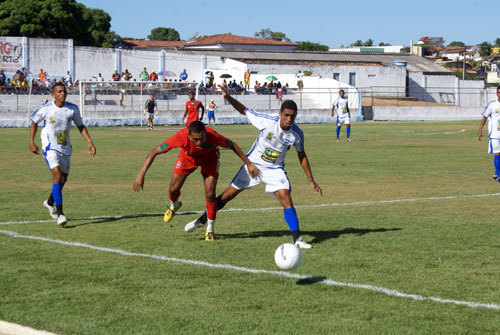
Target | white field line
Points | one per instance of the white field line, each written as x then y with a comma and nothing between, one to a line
379,289
338,204
7,328
445,133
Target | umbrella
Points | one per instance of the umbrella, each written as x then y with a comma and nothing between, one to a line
225,75
271,78
167,73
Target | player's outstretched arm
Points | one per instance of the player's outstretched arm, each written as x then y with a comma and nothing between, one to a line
33,147
304,162
139,180
252,169
202,111
85,133
480,131
235,103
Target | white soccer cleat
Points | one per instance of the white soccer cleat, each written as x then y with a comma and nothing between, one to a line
349,139
302,244
193,225
61,220
51,209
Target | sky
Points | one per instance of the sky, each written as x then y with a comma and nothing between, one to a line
332,23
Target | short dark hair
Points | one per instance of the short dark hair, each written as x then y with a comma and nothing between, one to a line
290,104
498,87
341,91
196,127
191,92
59,83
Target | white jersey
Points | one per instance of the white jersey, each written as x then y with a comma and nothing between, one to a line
56,125
341,106
492,113
271,146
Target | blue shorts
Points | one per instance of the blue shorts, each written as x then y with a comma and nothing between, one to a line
211,114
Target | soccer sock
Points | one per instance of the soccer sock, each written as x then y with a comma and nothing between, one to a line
338,132
496,160
211,210
210,225
50,201
291,219
57,195
220,203
348,130
173,198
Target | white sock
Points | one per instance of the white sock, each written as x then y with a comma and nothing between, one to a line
174,204
210,225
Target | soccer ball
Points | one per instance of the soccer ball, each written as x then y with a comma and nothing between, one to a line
287,256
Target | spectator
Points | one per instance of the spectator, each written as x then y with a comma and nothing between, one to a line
285,88
212,79
144,75
300,83
207,79
67,79
183,76
127,75
246,77
257,87
3,79
41,76
116,76
153,76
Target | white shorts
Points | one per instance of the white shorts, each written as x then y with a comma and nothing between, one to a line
53,159
343,119
494,146
274,178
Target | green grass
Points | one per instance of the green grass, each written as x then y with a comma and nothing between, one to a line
447,248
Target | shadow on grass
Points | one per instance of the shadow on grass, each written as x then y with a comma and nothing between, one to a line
310,280
318,235
106,219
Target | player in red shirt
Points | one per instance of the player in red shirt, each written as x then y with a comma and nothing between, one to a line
192,109
199,147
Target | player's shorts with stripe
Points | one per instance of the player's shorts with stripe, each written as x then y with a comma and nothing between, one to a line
54,158
185,165
274,178
343,119
494,146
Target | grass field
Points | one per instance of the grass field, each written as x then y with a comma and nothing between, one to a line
402,213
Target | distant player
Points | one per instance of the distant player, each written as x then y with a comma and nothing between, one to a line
199,147
211,111
193,107
57,116
151,107
277,134
343,114
492,114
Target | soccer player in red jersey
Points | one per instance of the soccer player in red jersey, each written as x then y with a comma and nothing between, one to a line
199,147
192,109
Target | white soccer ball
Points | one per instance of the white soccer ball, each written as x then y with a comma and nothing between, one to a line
287,256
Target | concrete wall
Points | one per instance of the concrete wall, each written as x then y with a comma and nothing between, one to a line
393,113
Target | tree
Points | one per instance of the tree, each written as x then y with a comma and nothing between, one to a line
368,43
56,19
382,44
164,34
497,43
456,44
311,46
272,35
485,49
358,43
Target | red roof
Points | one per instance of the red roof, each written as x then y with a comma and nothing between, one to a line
235,39
139,44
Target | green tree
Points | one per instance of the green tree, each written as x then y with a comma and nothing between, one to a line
56,19
311,46
164,34
497,43
358,43
368,43
382,44
456,44
485,49
272,35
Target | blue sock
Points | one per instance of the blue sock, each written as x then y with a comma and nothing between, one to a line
338,132
220,204
57,194
291,218
496,160
348,131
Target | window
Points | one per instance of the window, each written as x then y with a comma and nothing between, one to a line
336,76
352,78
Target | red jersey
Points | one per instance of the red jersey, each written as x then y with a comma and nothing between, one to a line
193,110
181,140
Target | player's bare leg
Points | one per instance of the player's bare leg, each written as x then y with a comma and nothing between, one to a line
174,192
59,178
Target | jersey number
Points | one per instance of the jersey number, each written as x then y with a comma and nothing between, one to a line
61,136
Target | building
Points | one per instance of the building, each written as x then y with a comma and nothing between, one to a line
381,49
457,53
431,41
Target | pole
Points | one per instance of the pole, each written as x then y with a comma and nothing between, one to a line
463,70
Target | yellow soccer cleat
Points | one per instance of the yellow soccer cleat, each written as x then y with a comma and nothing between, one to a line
209,236
169,214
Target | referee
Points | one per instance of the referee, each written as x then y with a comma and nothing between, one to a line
151,107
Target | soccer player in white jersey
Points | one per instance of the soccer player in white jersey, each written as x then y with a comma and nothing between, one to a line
56,117
492,114
277,134
343,114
